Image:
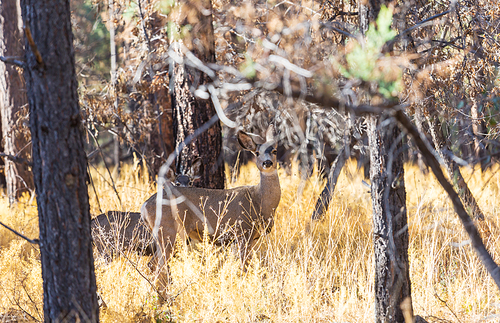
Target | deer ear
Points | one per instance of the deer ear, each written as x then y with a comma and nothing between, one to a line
246,141
196,168
270,133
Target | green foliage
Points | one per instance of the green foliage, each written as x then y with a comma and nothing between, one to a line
166,6
248,67
366,62
129,12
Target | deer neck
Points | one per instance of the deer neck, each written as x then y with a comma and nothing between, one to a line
270,193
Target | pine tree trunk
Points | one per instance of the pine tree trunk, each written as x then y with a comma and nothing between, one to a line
12,101
59,164
390,230
190,113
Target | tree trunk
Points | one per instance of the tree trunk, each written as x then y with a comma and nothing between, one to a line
190,113
161,139
12,101
453,169
390,230
59,164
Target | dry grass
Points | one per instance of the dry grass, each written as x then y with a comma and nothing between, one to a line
302,271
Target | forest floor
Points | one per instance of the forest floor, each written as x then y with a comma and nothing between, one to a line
302,271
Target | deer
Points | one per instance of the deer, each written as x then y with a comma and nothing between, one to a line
236,215
117,230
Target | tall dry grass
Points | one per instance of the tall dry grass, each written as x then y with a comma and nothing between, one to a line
301,272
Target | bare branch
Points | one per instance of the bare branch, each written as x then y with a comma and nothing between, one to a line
388,46
16,159
33,46
33,241
13,61
330,26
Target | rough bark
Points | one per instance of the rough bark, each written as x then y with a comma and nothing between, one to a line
390,230
159,143
59,164
190,112
453,169
12,101
161,139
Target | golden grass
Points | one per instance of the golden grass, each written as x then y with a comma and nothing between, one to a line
302,271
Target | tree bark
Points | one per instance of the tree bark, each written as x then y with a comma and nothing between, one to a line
390,229
189,112
59,164
12,102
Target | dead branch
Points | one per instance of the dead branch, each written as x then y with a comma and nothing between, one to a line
13,61
33,241
16,159
33,46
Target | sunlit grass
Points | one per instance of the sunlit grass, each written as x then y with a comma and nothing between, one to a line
302,271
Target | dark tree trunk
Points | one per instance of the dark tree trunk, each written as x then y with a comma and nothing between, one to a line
12,100
390,230
59,164
161,139
190,113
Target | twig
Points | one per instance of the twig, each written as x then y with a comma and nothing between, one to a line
446,304
94,189
140,273
389,44
13,61
340,31
16,159
107,168
32,301
34,241
33,46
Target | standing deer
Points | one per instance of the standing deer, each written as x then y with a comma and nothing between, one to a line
238,214
117,230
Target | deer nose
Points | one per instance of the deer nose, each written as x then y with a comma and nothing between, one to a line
267,164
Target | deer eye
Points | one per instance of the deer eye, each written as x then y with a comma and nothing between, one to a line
257,153
274,152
